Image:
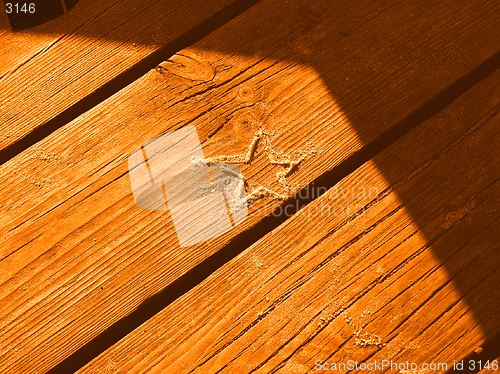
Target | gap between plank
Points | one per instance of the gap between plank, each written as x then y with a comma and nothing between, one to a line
110,88
199,273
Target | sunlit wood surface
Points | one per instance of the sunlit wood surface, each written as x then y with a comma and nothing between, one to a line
299,87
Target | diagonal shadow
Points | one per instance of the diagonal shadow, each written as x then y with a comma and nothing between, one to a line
300,32
65,25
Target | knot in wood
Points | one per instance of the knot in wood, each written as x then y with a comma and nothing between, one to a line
245,93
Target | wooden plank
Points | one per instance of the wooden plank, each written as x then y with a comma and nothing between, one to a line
78,255
47,69
410,274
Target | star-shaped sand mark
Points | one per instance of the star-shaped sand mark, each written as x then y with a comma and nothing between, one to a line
286,160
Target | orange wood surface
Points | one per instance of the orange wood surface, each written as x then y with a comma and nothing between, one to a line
46,69
409,274
315,83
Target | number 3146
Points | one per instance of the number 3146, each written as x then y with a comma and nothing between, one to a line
20,8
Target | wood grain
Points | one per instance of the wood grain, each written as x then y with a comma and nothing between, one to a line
47,69
78,255
410,274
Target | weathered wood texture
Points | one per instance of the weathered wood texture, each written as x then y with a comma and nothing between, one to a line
409,274
320,80
46,69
